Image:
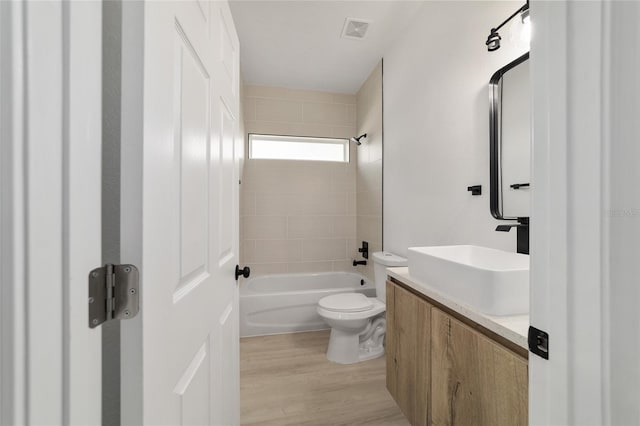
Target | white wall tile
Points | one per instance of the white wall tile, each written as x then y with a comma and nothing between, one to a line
351,246
351,204
248,202
343,132
311,130
309,226
368,228
294,250
275,251
369,203
369,176
268,128
248,249
309,95
272,204
264,92
343,266
314,112
344,226
324,249
343,98
249,109
343,186
278,110
316,200
351,114
258,269
312,204
303,267
265,227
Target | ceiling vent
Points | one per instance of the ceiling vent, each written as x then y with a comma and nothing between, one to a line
355,28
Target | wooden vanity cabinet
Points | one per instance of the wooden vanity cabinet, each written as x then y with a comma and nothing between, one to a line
474,381
443,372
408,343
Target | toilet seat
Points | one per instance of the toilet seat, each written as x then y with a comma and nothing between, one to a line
376,308
346,302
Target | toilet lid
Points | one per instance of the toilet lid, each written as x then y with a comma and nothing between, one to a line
389,259
346,302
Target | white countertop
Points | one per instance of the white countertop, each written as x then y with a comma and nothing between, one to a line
513,327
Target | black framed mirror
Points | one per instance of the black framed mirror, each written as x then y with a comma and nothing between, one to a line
510,141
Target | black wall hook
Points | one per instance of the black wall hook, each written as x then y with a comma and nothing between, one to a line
475,189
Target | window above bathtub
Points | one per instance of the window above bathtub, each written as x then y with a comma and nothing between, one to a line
274,147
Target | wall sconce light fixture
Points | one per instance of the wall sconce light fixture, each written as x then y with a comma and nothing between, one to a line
493,41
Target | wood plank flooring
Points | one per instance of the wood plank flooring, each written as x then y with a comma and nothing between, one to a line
287,380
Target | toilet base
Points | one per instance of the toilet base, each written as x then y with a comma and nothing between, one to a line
349,347
368,353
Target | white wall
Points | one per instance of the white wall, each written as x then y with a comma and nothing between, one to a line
436,127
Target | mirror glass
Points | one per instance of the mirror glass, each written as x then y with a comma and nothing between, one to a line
510,140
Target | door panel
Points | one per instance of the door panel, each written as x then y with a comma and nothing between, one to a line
192,112
193,389
225,202
225,350
188,326
228,50
225,408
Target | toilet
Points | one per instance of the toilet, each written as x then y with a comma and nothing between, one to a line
358,322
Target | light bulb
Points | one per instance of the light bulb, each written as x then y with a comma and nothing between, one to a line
520,31
525,30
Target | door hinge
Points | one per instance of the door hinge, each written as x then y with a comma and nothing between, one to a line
539,342
113,293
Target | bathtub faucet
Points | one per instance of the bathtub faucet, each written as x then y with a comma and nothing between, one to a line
359,262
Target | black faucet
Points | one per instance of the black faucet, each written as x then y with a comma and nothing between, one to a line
364,249
359,262
523,233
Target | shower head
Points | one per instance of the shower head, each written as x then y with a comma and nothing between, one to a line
493,41
357,140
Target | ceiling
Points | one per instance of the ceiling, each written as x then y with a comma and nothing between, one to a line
298,44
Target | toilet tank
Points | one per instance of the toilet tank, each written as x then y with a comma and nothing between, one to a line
381,261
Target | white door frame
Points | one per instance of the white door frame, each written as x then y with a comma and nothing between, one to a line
50,126
585,218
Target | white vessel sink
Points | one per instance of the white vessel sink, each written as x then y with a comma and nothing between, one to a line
494,282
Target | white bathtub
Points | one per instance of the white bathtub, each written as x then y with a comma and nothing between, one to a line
286,303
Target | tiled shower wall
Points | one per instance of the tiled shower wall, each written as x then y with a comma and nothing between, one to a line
369,166
298,216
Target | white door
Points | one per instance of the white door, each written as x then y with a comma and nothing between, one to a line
180,212
50,180
585,218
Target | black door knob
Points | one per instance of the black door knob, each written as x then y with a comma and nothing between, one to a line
245,272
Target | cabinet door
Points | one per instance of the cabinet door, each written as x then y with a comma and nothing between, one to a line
474,380
408,348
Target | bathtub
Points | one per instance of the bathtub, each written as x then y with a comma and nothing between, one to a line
286,303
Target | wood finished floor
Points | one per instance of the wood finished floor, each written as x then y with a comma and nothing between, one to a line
287,380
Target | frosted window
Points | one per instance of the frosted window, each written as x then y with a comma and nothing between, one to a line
298,148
